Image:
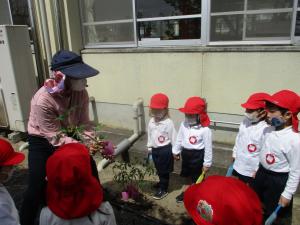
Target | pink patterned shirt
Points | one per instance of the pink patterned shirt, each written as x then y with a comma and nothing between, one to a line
46,109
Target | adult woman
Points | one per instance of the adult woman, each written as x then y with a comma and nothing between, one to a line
62,102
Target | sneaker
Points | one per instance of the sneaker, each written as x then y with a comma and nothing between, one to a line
160,194
179,198
156,185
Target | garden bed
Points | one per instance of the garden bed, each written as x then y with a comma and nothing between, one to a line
143,211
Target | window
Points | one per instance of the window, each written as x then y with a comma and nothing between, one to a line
108,22
15,12
123,23
297,24
20,12
5,17
250,20
168,22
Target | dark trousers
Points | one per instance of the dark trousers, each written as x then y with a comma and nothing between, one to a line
164,163
245,179
35,196
269,185
192,163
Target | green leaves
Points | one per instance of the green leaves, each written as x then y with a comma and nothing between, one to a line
131,174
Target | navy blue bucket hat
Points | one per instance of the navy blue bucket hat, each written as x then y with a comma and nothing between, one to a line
71,64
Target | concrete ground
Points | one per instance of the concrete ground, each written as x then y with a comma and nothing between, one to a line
167,209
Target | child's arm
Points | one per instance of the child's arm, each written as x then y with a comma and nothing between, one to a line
149,145
172,133
236,141
207,139
178,143
293,157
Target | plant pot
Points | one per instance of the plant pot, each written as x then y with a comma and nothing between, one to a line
125,196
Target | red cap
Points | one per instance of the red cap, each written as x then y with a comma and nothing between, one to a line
159,101
196,105
256,101
72,191
8,156
223,201
288,100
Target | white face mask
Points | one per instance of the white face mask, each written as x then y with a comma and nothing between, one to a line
191,120
78,85
253,117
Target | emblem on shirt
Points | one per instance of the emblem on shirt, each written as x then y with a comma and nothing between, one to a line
270,158
252,148
193,140
205,210
161,139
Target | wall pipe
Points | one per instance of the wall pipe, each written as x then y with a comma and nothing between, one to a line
41,75
139,129
45,29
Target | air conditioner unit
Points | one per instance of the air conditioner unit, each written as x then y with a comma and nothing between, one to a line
17,77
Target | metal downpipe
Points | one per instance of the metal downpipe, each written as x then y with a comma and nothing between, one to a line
139,117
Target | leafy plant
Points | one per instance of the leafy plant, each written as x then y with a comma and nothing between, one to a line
131,176
95,143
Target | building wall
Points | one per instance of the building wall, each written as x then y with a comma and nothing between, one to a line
225,79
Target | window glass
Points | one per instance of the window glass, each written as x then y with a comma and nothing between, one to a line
226,28
297,29
120,32
106,10
227,5
268,25
269,4
162,8
4,12
19,12
170,29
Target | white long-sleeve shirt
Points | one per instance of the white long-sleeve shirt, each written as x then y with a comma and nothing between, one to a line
8,212
247,147
281,153
194,138
103,216
161,133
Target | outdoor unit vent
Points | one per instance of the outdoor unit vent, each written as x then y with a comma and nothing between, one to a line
17,77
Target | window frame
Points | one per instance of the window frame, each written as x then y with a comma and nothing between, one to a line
256,40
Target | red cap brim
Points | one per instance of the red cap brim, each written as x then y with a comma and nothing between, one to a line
15,159
250,106
184,110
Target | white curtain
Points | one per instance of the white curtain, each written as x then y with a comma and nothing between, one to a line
91,30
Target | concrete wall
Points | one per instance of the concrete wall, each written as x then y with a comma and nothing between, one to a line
225,79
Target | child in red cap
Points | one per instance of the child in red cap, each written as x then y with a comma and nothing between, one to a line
278,175
161,136
222,200
249,139
8,159
74,195
194,141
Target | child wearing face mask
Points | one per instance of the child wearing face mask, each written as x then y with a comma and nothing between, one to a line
249,139
194,141
8,159
277,178
161,137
